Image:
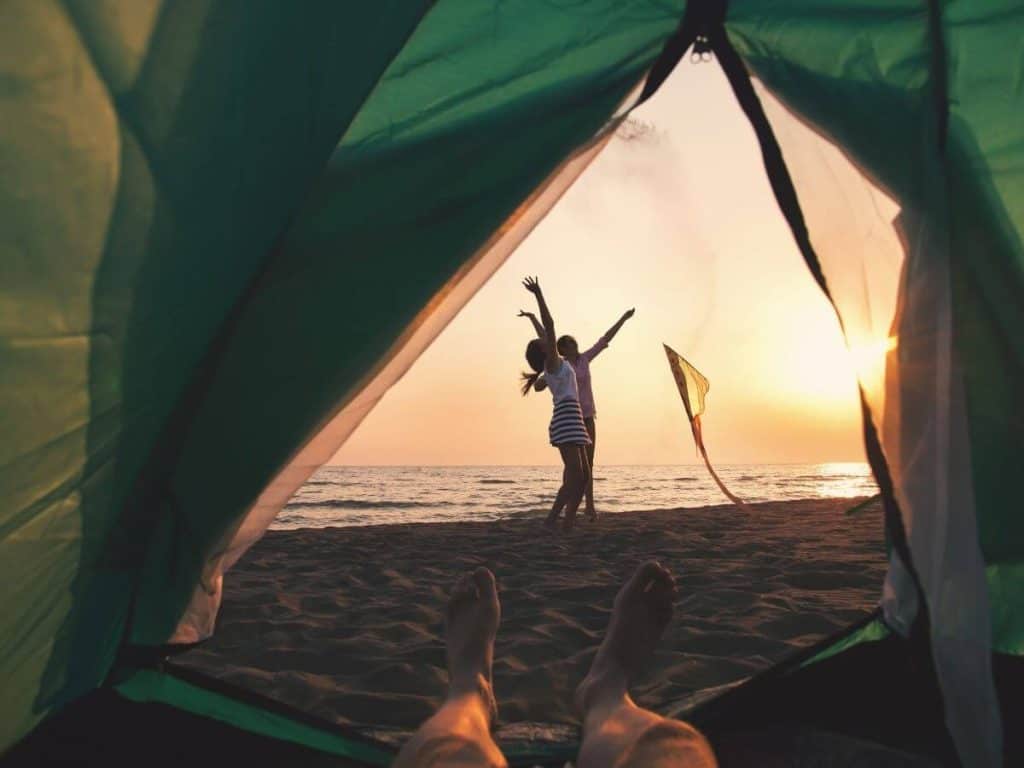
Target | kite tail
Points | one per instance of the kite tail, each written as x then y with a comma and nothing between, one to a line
734,499
699,440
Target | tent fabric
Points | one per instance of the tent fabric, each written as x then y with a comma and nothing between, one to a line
204,203
154,686
918,422
897,72
885,62
871,632
182,218
133,217
104,728
986,202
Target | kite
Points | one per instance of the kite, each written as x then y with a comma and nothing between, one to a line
693,388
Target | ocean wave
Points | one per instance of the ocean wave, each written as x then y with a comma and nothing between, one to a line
364,504
358,496
831,478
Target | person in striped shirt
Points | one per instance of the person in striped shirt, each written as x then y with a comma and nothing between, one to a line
567,430
580,362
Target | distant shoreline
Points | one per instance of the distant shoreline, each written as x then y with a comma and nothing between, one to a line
358,496
844,502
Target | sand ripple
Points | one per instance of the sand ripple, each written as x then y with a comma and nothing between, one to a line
347,622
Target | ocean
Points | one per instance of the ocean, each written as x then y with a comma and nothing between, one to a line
344,496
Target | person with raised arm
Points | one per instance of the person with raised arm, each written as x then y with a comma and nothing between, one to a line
567,431
580,362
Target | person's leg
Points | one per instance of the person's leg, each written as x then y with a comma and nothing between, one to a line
616,732
575,460
459,733
559,503
587,473
592,431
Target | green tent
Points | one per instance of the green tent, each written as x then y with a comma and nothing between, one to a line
186,187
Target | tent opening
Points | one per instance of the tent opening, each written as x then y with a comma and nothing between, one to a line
339,609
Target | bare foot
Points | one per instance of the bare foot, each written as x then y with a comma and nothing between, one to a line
643,608
472,624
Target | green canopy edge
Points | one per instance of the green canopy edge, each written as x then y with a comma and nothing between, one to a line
147,685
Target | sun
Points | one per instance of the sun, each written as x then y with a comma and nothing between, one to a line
868,359
820,371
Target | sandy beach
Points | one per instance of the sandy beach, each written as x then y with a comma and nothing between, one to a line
347,623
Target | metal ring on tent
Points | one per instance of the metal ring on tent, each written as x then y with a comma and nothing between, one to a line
701,48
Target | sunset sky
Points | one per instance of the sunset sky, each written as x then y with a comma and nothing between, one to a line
681,224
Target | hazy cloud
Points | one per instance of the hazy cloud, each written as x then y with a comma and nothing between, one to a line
636,131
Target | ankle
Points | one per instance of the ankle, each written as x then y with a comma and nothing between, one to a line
605,687
479,687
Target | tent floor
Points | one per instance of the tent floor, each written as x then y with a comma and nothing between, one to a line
872,705
881,694
802,747
105,729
